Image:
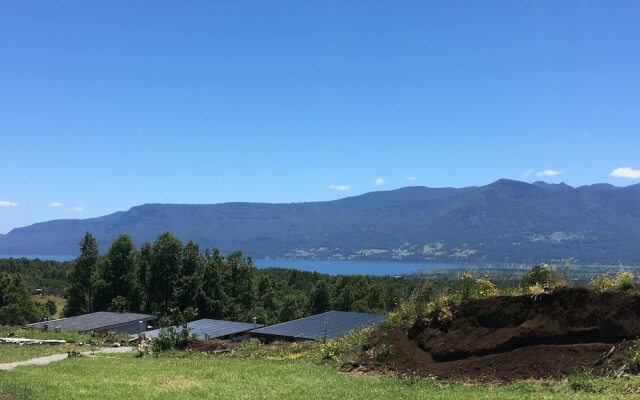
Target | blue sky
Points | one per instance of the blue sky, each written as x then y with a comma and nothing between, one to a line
107,105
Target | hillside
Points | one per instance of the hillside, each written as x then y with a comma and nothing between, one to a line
503,221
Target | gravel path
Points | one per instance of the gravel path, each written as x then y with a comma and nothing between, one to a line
58,357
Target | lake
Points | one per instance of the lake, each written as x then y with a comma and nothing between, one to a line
377,268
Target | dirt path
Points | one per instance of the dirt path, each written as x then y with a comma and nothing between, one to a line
58,357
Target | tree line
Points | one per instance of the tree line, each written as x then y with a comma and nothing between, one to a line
169,274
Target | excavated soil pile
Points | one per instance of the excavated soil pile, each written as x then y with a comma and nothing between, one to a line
508,338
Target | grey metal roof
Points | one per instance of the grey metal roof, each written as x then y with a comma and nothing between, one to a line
212,328
97,321
333,323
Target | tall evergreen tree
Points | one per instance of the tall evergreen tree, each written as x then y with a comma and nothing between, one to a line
140,289
80,294
212,299
165,267
116,273
189,281
243,285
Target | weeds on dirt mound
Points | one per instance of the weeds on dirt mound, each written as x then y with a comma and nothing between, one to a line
623,281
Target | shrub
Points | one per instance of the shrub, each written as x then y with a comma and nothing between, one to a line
175,336
542,275
349,347
624,280
444,315
467,285
249,345
414,307
485,288
51,307
602,283
171,338
384,351
536,290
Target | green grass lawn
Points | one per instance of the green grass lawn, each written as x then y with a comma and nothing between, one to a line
196,376
14,352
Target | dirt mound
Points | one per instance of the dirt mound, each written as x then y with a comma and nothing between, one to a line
507,338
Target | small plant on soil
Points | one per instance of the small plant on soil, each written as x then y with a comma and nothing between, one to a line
603,283
467,285
249,345
625,280
346,348
383,351
536,290
542,275
414,307
485,288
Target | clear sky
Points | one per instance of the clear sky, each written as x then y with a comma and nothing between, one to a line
109,104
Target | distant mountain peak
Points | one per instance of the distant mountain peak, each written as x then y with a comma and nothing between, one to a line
552,186
504,220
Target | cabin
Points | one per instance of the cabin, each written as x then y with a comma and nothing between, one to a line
101,321
205,329
328,325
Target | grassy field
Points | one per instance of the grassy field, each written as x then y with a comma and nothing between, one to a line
14,352
197,376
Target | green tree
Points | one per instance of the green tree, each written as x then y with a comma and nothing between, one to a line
320,298
165,267
80,294
17,306
242,285
116,273
140,289
51,307
189,281
212,299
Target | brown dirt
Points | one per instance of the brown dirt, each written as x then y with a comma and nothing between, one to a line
509,338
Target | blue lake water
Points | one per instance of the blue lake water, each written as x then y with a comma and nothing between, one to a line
378,268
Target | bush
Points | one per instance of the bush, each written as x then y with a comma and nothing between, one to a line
384,351
249,345
349,347
625,280
175,336
602,283
467,285
485,288
51,307
542,275
414,307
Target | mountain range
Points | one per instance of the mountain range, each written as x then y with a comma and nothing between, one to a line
505,221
